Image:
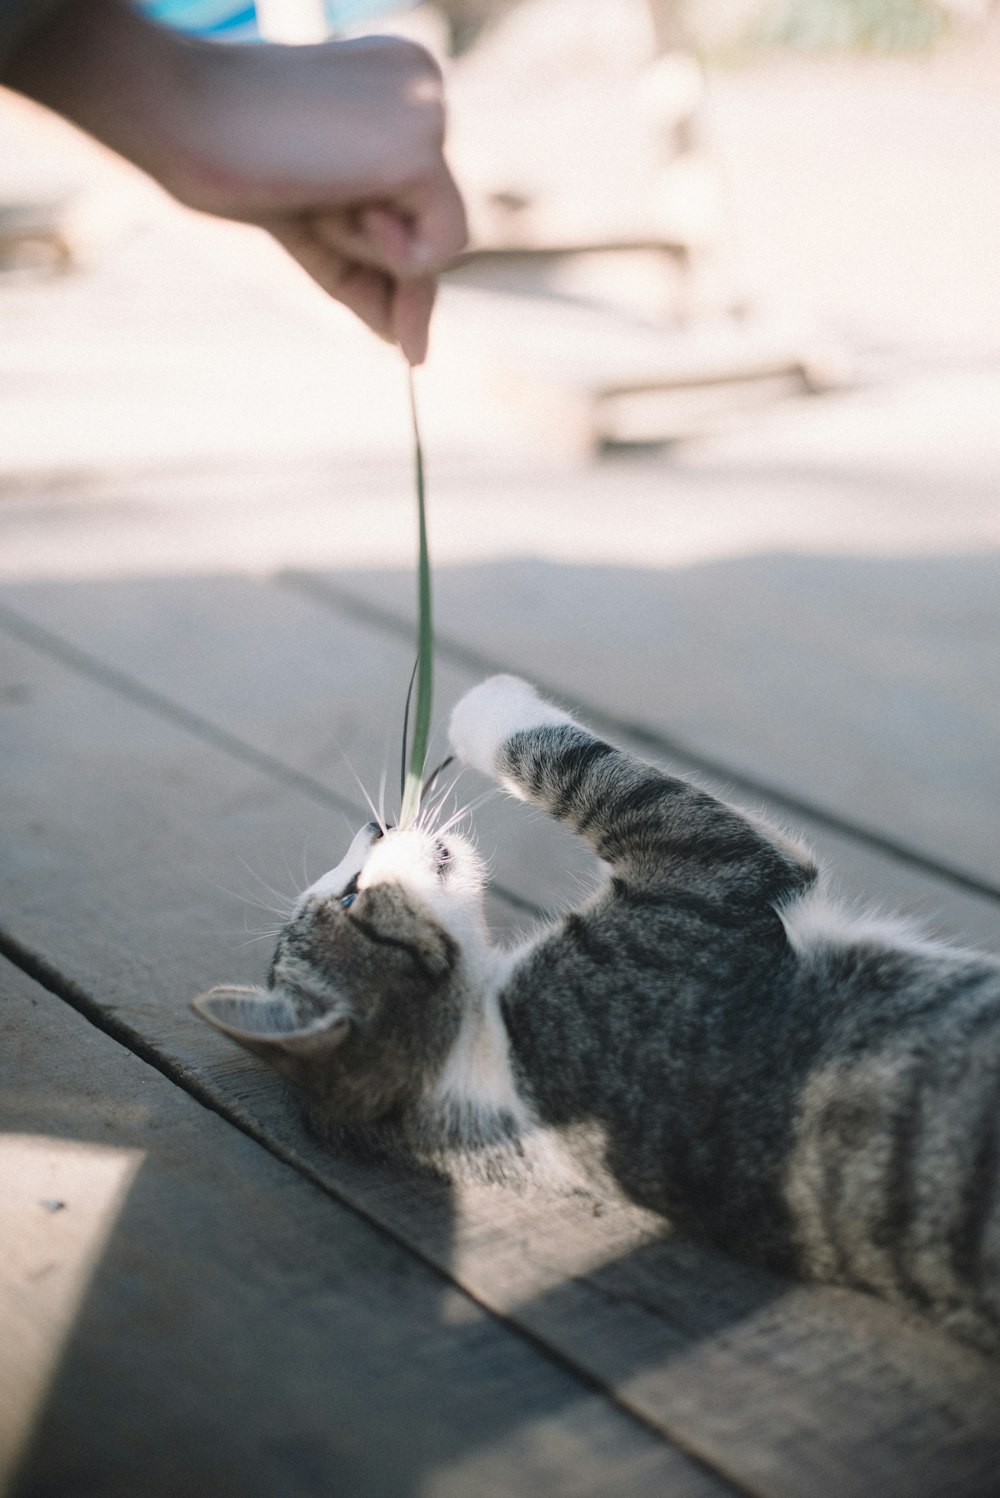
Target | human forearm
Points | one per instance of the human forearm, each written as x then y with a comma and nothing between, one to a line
99,64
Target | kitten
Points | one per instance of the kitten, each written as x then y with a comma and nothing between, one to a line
706,1033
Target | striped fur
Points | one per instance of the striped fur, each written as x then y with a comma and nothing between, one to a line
816,1097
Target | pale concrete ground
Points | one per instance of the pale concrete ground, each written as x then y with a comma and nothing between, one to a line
191,403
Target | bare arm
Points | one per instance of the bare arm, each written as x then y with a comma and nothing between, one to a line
336,149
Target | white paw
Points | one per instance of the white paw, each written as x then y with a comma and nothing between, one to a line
487,716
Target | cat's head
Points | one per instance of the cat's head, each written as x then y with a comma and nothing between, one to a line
370,976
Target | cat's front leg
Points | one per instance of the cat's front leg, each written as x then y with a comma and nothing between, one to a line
650,827
538,753
489,716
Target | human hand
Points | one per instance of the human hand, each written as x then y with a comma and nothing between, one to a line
336,149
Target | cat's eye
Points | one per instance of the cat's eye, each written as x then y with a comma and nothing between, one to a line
349,900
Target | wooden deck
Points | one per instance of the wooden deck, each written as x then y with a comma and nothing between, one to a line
196,1298
204,1308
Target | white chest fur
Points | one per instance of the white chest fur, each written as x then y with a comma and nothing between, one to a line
477,1078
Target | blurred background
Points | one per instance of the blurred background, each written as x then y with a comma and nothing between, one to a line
734,285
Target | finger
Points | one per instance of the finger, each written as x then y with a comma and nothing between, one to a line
418,233
439,226
412,306
369,295
364,289
372,234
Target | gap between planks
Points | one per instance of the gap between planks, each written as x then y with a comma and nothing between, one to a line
193,1084
336,599
190,1188
129,687
342,600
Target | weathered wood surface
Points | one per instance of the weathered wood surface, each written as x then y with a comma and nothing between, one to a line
185,1314
318,689
868,688
130,818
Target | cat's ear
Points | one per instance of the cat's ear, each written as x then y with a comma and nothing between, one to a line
270,1020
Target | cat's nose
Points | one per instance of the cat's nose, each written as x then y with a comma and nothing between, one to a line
373,832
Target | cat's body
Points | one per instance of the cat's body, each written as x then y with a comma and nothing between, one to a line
705,1033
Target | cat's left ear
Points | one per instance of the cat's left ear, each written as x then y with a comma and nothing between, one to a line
269,1020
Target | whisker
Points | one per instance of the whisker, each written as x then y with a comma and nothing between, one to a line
381,799
276,893
288,871
223,889
361,786
251,941
468,809
306,881
440,797
255,931
283,912
244,895
269,926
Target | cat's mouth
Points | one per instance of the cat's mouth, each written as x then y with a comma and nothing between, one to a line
373,833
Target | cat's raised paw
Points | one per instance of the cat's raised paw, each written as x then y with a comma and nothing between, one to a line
491,713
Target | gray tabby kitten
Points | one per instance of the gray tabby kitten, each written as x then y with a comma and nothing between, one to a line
705,1032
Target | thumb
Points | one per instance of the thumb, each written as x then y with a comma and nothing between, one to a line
412,305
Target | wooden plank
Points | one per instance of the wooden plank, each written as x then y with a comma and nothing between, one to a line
323,694
870,689
122,827
184,1314
310,730
299,678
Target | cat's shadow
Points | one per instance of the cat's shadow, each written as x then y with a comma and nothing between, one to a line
239,1332
243,1334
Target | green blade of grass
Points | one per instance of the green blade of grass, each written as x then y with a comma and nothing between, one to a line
413,784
